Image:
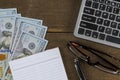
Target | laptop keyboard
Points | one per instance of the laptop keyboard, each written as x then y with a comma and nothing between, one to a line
100,20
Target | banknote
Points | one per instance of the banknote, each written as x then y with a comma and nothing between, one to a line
37,30
26,19
4,54
17,24
8,8
10,11
7,24
28,44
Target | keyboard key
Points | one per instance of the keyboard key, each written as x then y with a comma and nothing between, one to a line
89,11
108,30
100,21
113,3
101,36
118,26
113,39
118,5
109,9
101,29
102,1
98,13
116,10
81,31
102,7
88,33
88,18
115,32
107,2
112,17
95,34
88,25
95,5
118,18
88,3
106,23
113,24
105,15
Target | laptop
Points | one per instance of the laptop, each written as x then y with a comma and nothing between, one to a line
99,21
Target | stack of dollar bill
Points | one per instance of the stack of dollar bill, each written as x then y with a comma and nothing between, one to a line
19,37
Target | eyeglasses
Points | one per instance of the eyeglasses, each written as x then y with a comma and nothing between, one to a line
104,62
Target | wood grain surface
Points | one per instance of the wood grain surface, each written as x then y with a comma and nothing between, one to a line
60,17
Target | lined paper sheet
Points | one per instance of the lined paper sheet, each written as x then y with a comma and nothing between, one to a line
46,65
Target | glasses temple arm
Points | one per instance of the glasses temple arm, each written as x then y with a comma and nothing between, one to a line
85,47
84,57
106,69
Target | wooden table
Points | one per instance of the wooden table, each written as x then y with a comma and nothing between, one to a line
60,17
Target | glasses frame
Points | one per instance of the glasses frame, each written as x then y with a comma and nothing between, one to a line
72,46
79,70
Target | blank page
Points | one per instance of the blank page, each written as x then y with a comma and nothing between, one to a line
46,65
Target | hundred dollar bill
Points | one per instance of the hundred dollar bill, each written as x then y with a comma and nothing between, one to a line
28,44
9,11
25,19
37,30
8,8
7,24
17,25
4,54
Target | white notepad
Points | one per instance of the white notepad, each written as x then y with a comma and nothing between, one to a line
46,65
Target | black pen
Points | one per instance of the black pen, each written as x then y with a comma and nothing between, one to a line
78,69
